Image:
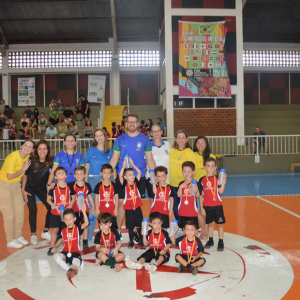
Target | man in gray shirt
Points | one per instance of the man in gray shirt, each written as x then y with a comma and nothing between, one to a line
262,141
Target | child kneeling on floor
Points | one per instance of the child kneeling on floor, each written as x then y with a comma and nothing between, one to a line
70,237
108,243
191,249
159,242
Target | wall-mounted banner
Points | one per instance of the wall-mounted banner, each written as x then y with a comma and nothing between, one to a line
26,91
96,89
203,71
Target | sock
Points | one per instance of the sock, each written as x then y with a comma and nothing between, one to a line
111,261
45,230
58,258
188,266
211,239
221,241
33,234
76,262
130,232
85,242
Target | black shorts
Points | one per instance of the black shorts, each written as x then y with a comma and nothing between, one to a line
182,221
69,260
142,188
214,214
185,257
79,111
260,142
150,254
79,218
149,187
134,218
55,222
106,254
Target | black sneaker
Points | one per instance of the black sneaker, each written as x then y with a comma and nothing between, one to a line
181,268
130,245
49,253
85,246
220,247
209,244
194,270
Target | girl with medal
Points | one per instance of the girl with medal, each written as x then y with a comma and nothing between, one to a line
70,237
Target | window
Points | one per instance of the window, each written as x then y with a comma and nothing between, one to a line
59,59
182,102
139,58
204,102
226,102
0,60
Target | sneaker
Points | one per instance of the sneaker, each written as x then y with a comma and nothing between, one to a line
85,246
120,234
33,240
181,268
136,240
14,244
194,270
119,267
220,247
130,245
22,241
151,267
267,153
46,236
133,265
209,244
49,253
71,273
98,262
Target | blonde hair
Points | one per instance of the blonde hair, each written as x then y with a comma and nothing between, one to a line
187,144
95,143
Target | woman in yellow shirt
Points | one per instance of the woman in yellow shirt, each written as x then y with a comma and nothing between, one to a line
201,152
180,153
11,198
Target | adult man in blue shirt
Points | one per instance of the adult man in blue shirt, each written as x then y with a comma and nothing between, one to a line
162,126
139,147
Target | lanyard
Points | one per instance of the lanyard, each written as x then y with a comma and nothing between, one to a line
165,208
158,242
70,244
108,239
213,193
132,191
107,200
190,256
64,203
80,188
187,191
70,164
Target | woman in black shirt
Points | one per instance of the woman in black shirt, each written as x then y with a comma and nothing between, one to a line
34,184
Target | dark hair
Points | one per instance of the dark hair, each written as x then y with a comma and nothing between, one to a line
160,119
88,121
63,120
124,118
206,151
257,127
48,159
187,144
119,126
190,222
189,164
28,106
126,170
143,122
151,122
6,106
67,105
73,123
42,113
161,169
68,211
59,169
104,128
209,159
105,218
155,215
80,168
106,167
37,111
113,124
133,116
69,134
81,95
21,130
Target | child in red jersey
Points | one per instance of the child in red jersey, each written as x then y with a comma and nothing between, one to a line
81,186
211,202
163,200
108,243
60,195
187,208
132,202
70,237
159,242
143,127
191,249
106,195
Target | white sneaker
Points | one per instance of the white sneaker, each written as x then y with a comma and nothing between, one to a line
133,265
151,268
14,244
46,236
33,240
22,241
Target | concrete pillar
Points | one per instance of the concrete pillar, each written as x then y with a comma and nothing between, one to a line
6,82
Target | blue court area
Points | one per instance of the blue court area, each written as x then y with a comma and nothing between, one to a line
280,183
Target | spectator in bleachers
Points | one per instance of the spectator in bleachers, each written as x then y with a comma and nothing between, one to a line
83,108
5,136
54,118
162,126
51,133
73,129
115,130
9,114
60,107
120,130
52,102
125,111
2,124
107,133
2,104
35,122
148,127
42,125
78,107
22,135
68,115
143,127
63,129
27,133
89,129
24,121
12,135
262,141
29,114
124,124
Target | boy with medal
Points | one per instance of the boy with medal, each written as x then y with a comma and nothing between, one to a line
191,249
59,198
163,199
81,186
108,243
106,195
187,208
159,242
132,202
70,238
211,202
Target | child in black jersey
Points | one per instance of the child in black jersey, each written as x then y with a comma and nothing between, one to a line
159,242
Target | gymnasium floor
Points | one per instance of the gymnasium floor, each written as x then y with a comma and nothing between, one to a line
261,259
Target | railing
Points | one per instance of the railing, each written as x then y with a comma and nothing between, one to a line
221,145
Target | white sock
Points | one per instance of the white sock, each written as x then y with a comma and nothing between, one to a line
58,258
76,262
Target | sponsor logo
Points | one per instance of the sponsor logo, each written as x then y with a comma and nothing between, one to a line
161,195
188,249
166,151
124,145
204,29
62,197
77,161
189,72
106,194
93,84
189,85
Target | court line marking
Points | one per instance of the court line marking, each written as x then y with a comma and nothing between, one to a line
264,174
276,205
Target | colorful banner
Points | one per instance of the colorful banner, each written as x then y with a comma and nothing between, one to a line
96,88
26,91
203,71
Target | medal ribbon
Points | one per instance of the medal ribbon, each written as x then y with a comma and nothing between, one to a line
187,191
134,201
70,244
64,203
155,250
108,239
107,200
190,256
213,193
164,196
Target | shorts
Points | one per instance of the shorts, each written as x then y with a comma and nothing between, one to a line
141,188
134,218
149,187
78,111
87,115
182,221
214,214
106,254
69,260
79,218
185,257
261,142
150,254
55,222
